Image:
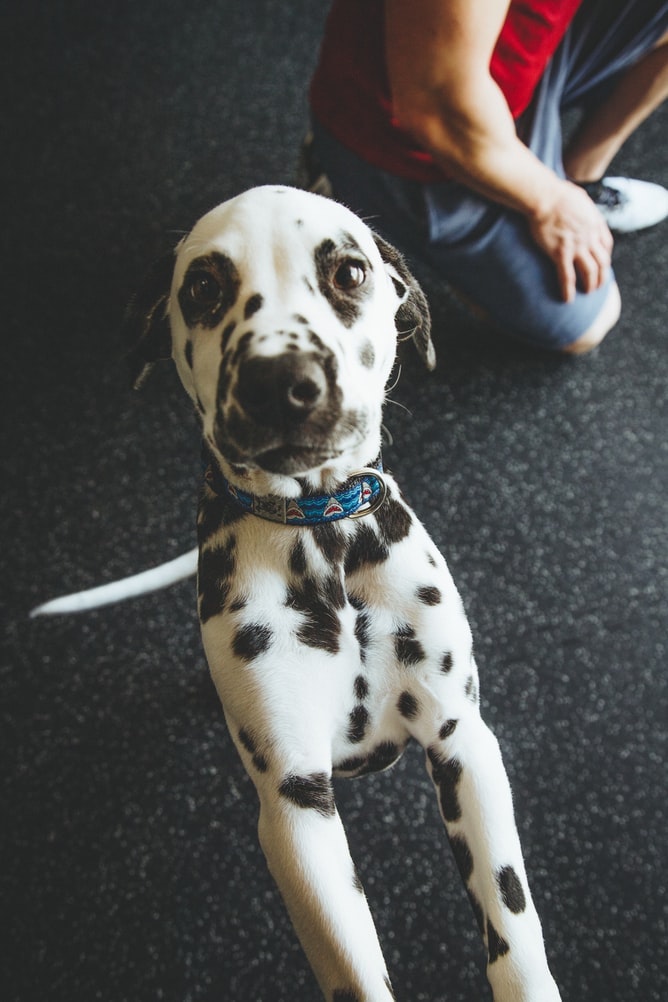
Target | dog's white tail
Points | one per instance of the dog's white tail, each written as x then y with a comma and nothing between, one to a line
116,591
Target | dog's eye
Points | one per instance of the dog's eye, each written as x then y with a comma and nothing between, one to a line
203,289
349,275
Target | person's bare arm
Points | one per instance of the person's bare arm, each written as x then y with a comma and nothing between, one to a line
438,54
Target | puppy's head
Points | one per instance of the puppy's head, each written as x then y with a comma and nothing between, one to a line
281,310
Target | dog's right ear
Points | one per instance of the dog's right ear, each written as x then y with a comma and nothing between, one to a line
413,315
146,326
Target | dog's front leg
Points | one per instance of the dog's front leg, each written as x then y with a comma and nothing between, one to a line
476,805
306,849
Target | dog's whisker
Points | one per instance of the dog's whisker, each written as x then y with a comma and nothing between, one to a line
388,389
405,335
395,403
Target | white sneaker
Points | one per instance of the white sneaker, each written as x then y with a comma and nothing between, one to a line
627,204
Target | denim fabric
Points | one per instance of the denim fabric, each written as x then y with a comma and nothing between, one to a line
482,249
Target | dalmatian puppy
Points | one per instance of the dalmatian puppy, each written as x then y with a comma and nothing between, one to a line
332,627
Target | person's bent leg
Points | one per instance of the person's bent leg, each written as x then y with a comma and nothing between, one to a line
484,252
602,325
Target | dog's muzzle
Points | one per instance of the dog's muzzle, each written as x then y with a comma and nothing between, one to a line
285,413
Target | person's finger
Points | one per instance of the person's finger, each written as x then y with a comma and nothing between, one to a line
566,274
588,270
601,260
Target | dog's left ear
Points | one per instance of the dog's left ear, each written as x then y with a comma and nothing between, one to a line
146,325
413,315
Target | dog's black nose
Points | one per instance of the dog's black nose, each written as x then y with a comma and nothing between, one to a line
287,387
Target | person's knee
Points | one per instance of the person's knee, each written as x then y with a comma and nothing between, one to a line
602,325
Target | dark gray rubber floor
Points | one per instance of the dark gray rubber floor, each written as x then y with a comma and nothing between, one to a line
129,864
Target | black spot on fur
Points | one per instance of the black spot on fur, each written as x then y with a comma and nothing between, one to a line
242,347
359,719
362,632
351,764
361,687
228,331
317,603
330,540
511,889
253,305
429,595
447,729
247,741
431,560
300,320
496,945
238,604
365,548
222,277
214,578
317,342
463,857
407,647
367,355
394,521
408,705
259,760
382,757
471,689
333,591
446,774
446,663
298,558
251,640
357,881
314,792
321,630
216,512
189,353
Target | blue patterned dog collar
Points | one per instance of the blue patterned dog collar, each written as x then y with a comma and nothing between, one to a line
363,493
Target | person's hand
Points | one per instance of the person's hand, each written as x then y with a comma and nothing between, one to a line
573,233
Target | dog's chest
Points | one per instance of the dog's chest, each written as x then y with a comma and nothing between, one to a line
351,617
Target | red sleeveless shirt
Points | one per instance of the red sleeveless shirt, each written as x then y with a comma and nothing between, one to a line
350,94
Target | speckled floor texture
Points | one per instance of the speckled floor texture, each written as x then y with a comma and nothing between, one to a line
129,866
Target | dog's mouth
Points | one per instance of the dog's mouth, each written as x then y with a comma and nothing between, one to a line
290,454
294,460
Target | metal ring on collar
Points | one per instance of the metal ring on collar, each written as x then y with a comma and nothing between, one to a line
367,471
